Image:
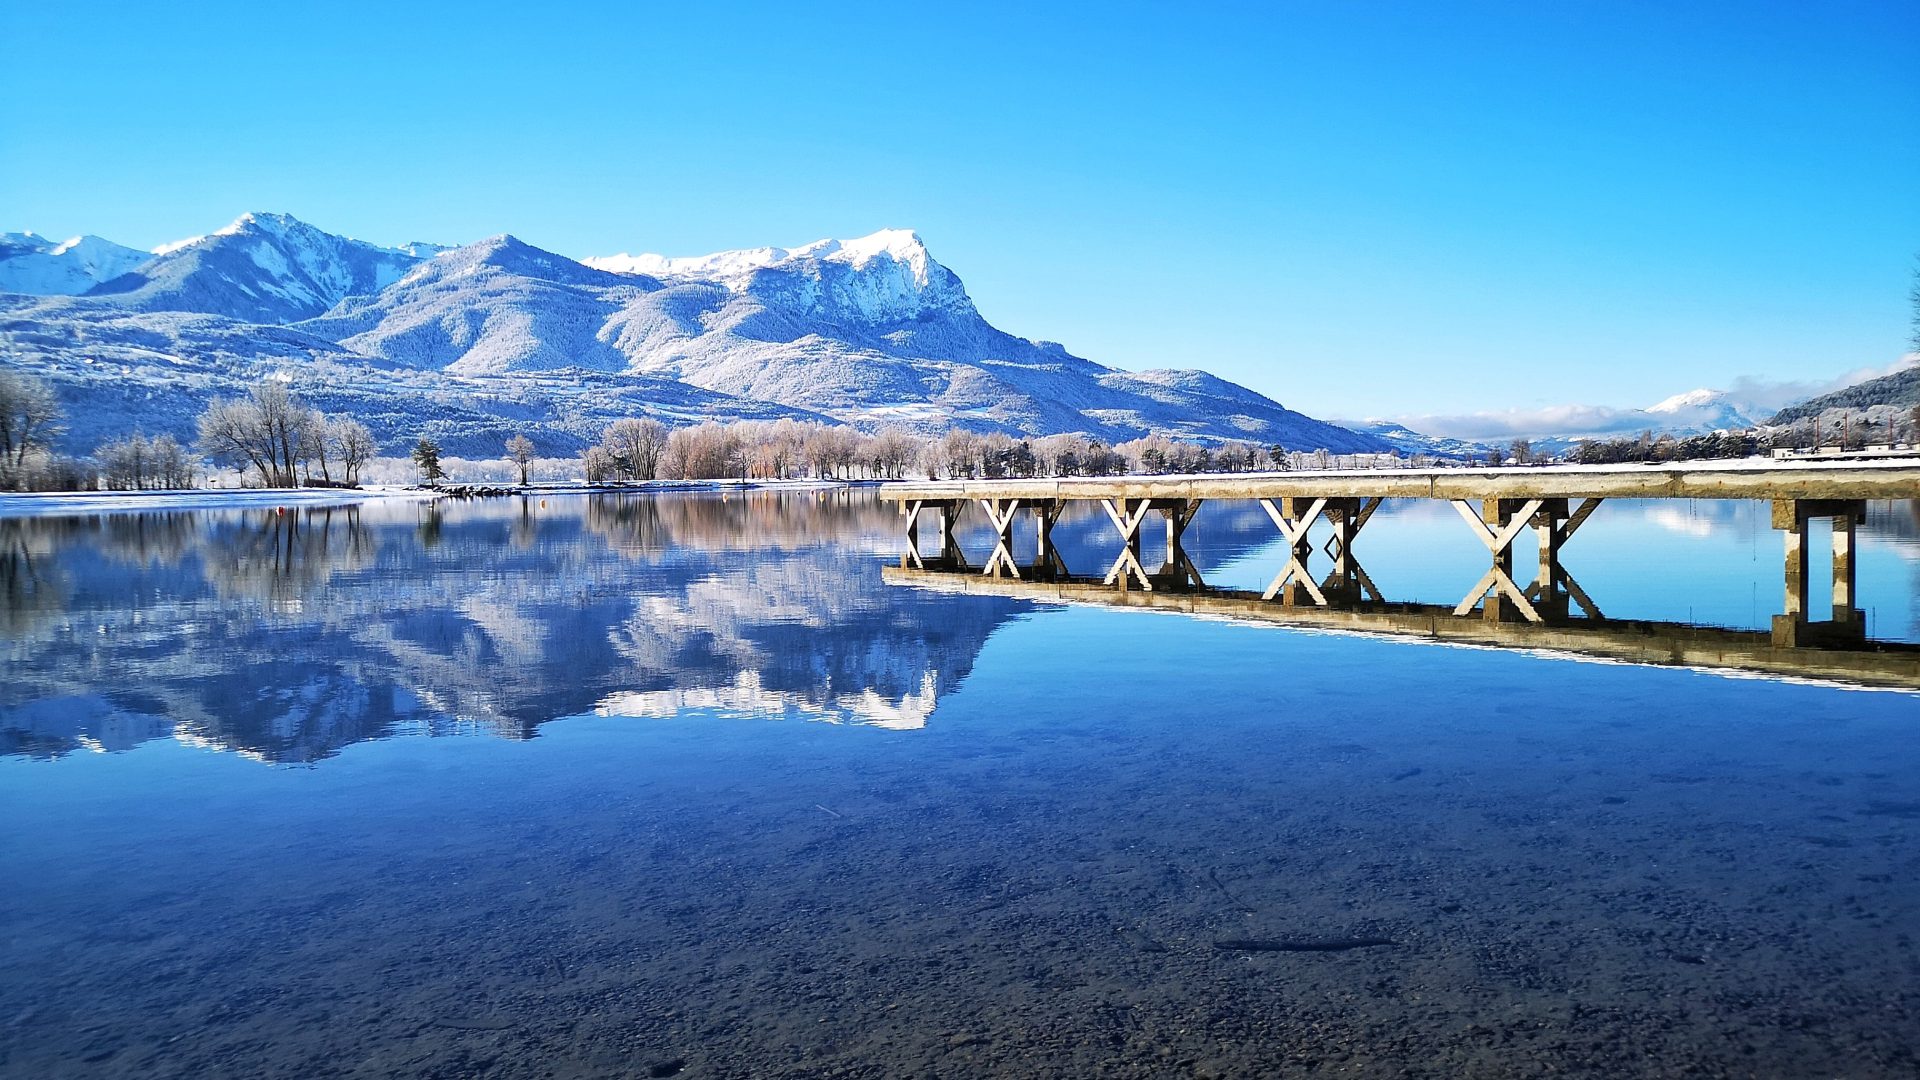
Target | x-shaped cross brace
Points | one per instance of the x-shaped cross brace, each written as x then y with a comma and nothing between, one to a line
1296,574
1001,513
1127,517
1498,581
1294,529
1499,540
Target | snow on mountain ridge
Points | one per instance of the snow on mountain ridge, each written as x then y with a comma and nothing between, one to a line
903,245
1692,399
263,267
30,263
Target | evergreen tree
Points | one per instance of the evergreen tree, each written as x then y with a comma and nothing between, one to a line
426,454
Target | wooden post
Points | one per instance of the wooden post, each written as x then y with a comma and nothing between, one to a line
1843,575
1790,516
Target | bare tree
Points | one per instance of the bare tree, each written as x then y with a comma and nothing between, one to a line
269,430
705,452
520,452
353,444
597,465
892,450
313,446
137,463
29,419
636,445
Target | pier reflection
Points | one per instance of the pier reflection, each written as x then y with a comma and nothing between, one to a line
1551,611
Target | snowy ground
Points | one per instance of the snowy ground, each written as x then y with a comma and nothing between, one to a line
62,503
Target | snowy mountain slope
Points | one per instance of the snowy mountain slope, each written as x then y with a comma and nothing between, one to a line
1899,390
116,370
263,268
868,331
43,267
487,309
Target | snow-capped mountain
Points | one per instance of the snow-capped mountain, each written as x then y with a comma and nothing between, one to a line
886,277
868,331
1702,411
36,264
263,268
871,330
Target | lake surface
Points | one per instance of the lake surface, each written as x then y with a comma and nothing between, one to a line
678,786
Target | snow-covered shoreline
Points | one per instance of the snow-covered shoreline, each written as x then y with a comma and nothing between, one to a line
65,503
74,503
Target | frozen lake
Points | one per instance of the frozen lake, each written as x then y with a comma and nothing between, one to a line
678,786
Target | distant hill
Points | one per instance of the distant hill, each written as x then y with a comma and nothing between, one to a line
1900,390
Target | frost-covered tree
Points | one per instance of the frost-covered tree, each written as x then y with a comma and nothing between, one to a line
636,446
520,452
351,442
268,430
137,463
597,466
29,419
892,450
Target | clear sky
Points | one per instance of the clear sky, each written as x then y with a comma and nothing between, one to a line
1361,209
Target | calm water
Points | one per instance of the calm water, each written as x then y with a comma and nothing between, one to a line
679,786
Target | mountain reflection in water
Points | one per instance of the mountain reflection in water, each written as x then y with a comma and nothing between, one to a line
286,636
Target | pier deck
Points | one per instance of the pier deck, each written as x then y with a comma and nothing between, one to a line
1891,479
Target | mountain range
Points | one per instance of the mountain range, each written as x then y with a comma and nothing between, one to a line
471,344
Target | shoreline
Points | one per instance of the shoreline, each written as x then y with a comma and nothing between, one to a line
80,503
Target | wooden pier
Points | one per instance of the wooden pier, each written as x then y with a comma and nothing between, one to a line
1498,505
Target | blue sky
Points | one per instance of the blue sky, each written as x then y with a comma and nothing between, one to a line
1360,209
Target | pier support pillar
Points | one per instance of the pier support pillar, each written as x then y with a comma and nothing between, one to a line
1046,514
946,554
1793,627
1347,582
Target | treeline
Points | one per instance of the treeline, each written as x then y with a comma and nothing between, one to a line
1648,447
640,450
